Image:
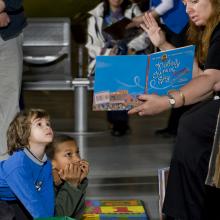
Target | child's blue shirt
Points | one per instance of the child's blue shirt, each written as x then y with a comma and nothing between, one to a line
24,177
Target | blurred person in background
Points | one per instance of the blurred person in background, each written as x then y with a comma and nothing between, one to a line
12,22
100,43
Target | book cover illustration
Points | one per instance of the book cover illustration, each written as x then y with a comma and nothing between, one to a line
119,80
114,209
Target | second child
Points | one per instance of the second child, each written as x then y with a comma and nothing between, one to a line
70,176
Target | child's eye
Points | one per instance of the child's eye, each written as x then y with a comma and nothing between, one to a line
39,124
68,154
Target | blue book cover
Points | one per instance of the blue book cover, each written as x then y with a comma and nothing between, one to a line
119,80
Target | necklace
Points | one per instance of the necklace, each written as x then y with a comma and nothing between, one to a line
38,183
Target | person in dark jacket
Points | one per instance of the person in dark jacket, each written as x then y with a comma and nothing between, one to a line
12,22
187,195
70,176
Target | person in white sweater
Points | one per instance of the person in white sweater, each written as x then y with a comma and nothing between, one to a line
101,43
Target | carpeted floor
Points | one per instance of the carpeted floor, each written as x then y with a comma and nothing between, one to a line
114,210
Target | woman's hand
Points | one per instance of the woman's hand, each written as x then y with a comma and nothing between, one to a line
150,26
71,174
84,166
152,105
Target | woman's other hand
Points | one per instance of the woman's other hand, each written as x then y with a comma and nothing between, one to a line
152,105
150,26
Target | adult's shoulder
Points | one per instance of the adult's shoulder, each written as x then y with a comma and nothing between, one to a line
213,57
98,11
216,32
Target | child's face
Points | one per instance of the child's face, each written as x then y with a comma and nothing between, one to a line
66,153
41,132
115,3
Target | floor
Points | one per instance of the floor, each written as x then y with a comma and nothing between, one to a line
120,167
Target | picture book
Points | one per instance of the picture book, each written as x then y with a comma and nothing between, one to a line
119,80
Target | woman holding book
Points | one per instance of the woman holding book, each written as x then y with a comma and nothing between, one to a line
101,43
187,196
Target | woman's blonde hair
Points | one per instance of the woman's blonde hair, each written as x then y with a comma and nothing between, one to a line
19,130
200,36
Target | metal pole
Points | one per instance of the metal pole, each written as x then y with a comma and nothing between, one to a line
80,61
81,105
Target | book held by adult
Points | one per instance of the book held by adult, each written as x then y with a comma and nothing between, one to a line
119,80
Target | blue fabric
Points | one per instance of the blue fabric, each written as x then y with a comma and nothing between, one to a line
176,18
17,21
19,176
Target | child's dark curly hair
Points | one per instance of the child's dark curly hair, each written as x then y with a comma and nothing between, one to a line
53,146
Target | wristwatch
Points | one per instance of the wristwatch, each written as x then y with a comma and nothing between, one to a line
171,100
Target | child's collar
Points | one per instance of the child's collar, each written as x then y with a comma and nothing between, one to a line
34,158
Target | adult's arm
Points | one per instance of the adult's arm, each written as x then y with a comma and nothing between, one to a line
195,91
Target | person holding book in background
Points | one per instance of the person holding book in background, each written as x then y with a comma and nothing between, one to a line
12,22
100,43
173,20
26,183
70,176
187,197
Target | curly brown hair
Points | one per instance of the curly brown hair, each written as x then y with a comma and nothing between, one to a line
200,36
19,129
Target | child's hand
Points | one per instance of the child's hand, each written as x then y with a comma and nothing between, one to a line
84,166
71,174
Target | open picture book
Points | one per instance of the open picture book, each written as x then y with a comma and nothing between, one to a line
119,80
